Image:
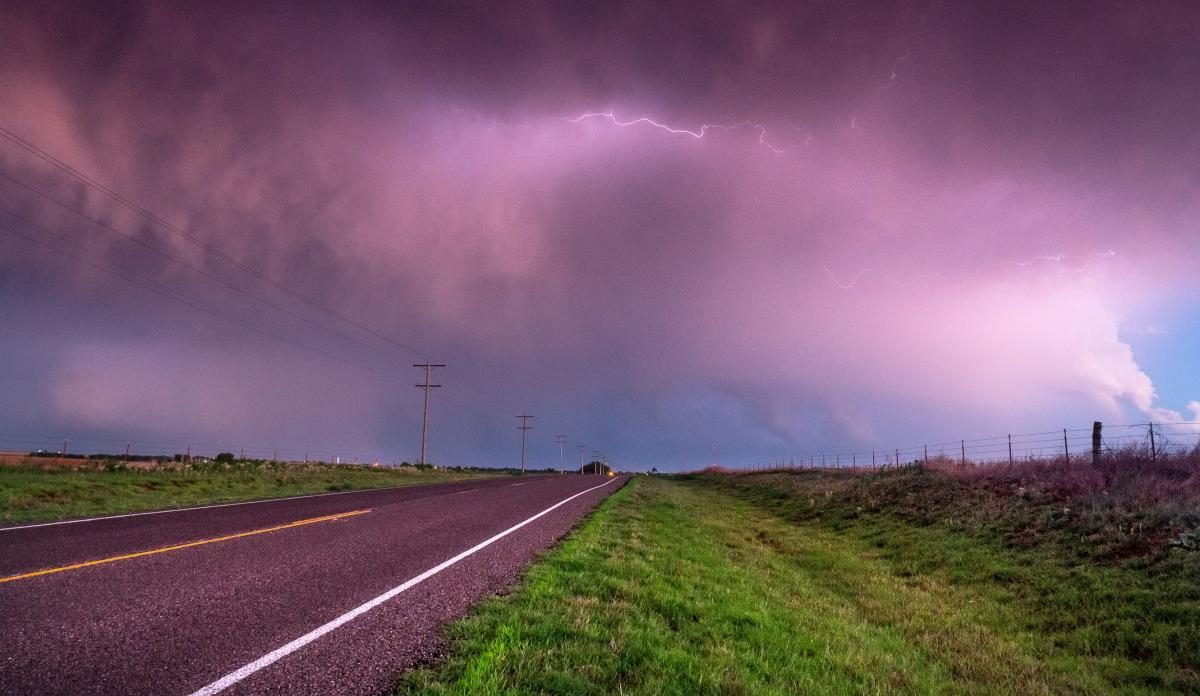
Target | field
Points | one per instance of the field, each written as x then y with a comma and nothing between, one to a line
36,490
1016,580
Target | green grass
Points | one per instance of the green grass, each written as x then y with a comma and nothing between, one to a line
28,493
1085,570
705,586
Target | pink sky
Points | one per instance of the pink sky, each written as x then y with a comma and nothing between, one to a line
960,236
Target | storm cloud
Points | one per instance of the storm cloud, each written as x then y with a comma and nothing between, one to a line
658,227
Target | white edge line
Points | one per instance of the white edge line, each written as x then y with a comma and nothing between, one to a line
219,505
246,670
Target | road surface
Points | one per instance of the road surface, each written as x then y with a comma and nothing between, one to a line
330,594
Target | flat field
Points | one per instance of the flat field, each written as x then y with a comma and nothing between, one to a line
31,492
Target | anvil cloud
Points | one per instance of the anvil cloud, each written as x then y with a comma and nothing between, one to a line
938,220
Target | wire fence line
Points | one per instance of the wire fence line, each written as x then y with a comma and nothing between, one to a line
1155,440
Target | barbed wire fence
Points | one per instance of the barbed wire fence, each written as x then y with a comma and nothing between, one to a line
1154,441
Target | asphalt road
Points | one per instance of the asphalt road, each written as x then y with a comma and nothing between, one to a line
303,596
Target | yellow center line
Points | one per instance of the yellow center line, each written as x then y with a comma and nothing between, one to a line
188,545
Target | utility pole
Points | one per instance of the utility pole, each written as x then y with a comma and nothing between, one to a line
560,439
582,449
523,427
426,386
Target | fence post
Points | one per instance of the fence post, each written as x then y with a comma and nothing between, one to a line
1066,449
1153,449
1097,426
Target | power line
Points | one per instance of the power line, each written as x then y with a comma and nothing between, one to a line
173,259
150,215
158,220
215,251
241,291
175,295
524,427
559,440
426,386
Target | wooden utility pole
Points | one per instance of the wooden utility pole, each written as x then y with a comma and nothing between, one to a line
523,427
1097,442
426,386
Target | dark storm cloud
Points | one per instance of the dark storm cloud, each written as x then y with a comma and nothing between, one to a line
906,178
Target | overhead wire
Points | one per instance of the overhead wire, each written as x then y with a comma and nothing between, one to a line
172,294
215,251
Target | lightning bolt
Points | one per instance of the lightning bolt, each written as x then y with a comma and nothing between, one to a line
848,284
1061,258
699,133
857,276
865,271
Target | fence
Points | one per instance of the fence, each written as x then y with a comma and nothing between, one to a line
1156,440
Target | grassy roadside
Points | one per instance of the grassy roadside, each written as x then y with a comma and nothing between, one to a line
33,494
684,587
